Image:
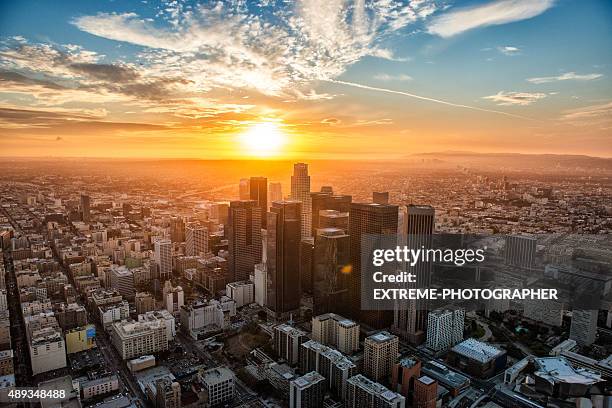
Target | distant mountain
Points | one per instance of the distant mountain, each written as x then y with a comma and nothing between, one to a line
516,160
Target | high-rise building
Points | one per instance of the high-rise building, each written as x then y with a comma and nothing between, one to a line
307,391
300,191
283,254
520,250
244,236
367,218
330,278
403,375
425,392
287,342
258,191
122,279
410,321
177,229
219,385
337,331
174,297
276,192
330,363
196,240
379,197
333,219
583,328
365,393
380,353
322,201
243,292
444,328
244,190
85,207
163,258
260,281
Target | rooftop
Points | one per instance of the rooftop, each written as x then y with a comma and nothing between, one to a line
477,350
557,369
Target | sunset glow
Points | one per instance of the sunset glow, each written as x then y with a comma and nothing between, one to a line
263,139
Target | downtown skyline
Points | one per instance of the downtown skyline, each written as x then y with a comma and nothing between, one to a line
305,80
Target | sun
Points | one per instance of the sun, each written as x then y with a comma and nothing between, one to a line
263,139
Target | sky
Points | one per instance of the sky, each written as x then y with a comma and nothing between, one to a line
316,79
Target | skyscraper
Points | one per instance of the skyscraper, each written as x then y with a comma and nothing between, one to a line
244,236
283,254
444,328
330,276
300,191
325,200
367,218
584,326
258,190
85,207
276,192
163,258
244,190
177,229
380,352
196,240
410,321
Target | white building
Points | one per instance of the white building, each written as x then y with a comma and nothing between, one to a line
113,312
218,384
122,279
243,293
163,258
174,298
260,282
202,316
444,328
584,326
300,190
3,304
196,240
287,342
163,316
337,331
134,339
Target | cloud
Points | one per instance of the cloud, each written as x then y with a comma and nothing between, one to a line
503,98
494,13
509,50
387,77
568,76
590,115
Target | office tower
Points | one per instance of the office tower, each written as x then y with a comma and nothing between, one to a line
287,342
177,229
144,302
333,219
134,339
379,197
321,201
330,363
306,264
337,331
330,275
244,238
219,385
163,258
403,375
307,391
520,250
410,321
122,280
300,191
85,207
260,281
367,218
380,353
244,190
365,393
283,254
584,326
243,292
276,192
425,393
258,191
174,297
444,328
196,240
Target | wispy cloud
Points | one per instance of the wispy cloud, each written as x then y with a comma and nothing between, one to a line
426,98
388,77
509,50
494,13
590,115
568,76
503,98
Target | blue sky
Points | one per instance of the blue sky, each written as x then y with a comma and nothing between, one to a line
503,75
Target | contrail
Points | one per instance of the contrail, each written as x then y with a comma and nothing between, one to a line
425,98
